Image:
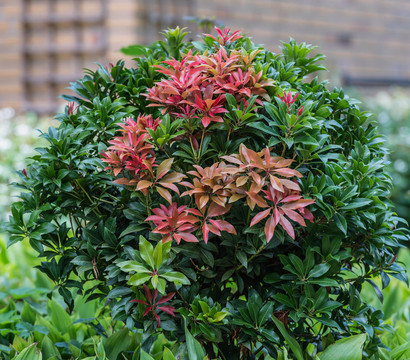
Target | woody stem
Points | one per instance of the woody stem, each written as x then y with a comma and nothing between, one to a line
252,257
193,149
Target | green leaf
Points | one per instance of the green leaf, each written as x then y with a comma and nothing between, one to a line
154,281
147,251
376,289
134,50
400,351
263,127
291,341
342,104
118,292
48,349
347,348
306,139
132,228
100,351
138,279
145,356
116,343
319,270
195,351
324,282
341,223
175,276
297,264
168,355
219,316
158,255
128,266
227,274
28,313
328,322
356,203
254,305
59,317
241,256
204,307
265,313
29,353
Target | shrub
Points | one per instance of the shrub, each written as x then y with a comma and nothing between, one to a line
217,195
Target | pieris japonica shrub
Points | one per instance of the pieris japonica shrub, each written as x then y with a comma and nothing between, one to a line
219,196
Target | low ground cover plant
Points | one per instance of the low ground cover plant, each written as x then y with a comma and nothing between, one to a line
217,197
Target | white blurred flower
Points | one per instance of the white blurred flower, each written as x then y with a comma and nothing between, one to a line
23,130
25,149
383,117
400,166
6,114
5,144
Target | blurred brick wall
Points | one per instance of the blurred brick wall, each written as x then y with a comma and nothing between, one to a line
121,28
361,38
11,89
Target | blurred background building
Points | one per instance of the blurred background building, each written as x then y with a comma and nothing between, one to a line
44,44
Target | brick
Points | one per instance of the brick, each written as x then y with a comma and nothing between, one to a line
10,88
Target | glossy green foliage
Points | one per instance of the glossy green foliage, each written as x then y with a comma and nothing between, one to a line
235,295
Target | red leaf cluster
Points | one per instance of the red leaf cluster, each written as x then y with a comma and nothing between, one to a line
224,37
152,304
162,180
195,87
208,224
174,223
287,98
263,180
131,151
209,184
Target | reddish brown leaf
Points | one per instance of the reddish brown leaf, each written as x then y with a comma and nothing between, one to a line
217,210
293,215
203,200
258,217
276,183
285,223
225,226
297,204
214,229
168,309
166,298
122,181
257,199
139,301
165,194
288,172
187,237
205,232
269,228
169,186
143,184
164,168
173,177
290,184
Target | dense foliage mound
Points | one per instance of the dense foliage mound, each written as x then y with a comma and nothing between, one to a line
217,196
